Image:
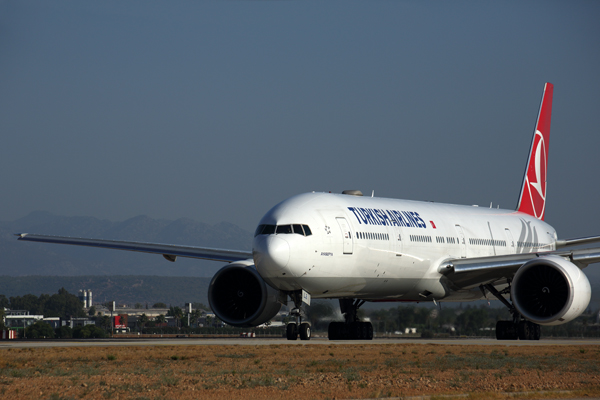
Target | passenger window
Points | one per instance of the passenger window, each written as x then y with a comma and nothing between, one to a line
284,229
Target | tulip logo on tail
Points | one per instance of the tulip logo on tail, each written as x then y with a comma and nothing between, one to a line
533,191
536,177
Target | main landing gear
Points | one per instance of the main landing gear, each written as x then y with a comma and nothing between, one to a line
518,328
352,328
298,328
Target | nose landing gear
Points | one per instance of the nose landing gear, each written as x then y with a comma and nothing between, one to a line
292,331
298,328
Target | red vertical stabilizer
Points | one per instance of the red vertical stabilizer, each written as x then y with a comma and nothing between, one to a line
532,200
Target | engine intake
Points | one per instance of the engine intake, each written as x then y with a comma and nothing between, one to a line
550,290
240,297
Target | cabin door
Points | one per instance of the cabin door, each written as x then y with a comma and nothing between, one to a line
461,241
397,241
510,242
346,235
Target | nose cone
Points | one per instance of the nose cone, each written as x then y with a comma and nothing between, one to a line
271,255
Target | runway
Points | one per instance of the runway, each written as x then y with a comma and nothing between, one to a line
16,344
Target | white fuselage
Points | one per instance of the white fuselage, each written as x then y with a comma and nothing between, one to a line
385,249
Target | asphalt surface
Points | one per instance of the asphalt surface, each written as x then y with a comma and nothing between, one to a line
26,343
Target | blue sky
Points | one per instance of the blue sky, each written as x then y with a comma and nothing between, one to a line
217,111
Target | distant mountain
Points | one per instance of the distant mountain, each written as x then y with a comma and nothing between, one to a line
128,290
22,258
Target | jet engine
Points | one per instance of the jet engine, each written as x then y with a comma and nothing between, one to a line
240,297
550,290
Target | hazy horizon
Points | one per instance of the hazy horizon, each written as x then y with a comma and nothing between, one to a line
217,111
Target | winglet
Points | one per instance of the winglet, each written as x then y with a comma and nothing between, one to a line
532,199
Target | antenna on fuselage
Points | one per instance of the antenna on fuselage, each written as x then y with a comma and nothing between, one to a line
373,193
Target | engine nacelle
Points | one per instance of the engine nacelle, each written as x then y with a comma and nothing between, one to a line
240,297
550,290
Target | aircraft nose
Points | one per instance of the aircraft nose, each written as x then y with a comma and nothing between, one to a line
271,255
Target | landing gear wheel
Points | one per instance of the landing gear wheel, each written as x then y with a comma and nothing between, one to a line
352,328
523,329
356,331
506,330
501,330
333,331
537,332
291,331
304,331
350,331
369,331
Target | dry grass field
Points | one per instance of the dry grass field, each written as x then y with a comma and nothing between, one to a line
298,372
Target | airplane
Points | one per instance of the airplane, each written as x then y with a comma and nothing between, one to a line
359,249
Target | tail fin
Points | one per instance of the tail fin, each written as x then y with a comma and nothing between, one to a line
532,200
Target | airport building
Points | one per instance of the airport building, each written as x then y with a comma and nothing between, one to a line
20,319
86,298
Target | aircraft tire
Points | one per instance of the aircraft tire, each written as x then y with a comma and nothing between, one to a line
349,331
291,331
501,330
523,330
304,331
355,331
507,330
334,331
537,332
364,330
369,331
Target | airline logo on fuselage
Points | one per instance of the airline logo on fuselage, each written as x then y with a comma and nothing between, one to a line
374,216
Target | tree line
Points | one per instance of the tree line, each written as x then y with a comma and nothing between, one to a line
63,304
470,320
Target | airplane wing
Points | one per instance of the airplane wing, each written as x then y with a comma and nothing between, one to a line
577,242
170,252
467,273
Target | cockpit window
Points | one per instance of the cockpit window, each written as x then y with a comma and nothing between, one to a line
264,230
284,229
307,231
269,230
303,230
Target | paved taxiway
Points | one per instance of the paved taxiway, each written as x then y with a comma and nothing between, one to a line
282,341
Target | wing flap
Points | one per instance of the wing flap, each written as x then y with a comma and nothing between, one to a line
466,273
170,252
